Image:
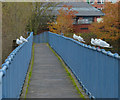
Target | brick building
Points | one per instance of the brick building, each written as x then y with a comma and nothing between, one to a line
99,4
86,15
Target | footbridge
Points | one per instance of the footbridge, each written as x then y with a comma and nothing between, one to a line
54,66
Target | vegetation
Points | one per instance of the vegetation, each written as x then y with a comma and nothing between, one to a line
20,17
108,28
64,21
41,15
15,16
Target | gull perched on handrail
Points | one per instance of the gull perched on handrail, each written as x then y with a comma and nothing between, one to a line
92,41
75,36
23,39
101,43
80,39
18,41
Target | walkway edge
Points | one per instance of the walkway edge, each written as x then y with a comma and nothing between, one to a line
71,75
28,76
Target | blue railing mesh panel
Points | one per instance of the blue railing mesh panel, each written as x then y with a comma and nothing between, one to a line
16,70
97,71
41,38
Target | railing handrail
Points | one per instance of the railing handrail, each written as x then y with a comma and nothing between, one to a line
5,65
109,53
11,56
97,70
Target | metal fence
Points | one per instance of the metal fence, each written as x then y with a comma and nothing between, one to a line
14,70
41,38
97,70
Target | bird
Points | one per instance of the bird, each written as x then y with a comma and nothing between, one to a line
92,41
101,43
18,41
23,39
75,36
97,42
104,44
80,39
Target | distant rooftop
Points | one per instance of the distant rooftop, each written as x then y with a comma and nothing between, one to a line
83,8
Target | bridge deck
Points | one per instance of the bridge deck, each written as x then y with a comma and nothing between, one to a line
49,78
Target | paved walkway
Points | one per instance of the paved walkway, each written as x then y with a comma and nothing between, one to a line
49,79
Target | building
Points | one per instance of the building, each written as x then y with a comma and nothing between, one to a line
86,15
99,4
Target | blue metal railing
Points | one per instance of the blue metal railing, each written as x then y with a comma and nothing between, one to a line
13,72
41,38
97,70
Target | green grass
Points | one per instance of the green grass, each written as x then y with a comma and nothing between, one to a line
68,73
30,73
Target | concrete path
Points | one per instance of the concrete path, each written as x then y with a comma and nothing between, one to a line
49,79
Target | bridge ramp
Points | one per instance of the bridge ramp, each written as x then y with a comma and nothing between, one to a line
49,78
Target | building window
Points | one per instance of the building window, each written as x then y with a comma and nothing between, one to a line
75,21
98,1
85,28
85,20
103,1
99,8
92,1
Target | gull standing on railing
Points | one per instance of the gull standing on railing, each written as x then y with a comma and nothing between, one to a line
104,44
80,39
75,36
99,42
18,41
23,39
92,41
